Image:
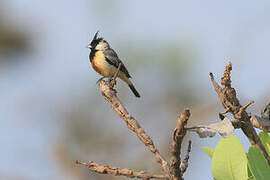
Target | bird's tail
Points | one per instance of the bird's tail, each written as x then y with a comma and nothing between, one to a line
131,86
135,92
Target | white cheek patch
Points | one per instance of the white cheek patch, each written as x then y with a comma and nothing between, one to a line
99,47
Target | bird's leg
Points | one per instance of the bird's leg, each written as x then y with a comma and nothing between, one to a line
110,78
100,79
112,82
113,79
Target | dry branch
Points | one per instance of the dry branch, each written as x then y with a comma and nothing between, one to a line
184,164
178,136
227,96
104,169
260,123
177,167
132,124
256,121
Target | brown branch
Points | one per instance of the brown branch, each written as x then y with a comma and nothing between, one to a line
265,112
243,109
104,169
184,164
227,96
178,136
224,112
260,123
256,121
110,95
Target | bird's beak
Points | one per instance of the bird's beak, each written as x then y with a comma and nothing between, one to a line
89,46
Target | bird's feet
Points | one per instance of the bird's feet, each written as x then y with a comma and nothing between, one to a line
112,82
100,79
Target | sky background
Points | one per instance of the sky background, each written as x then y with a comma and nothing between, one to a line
51,110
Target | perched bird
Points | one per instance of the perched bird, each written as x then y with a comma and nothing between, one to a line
105,61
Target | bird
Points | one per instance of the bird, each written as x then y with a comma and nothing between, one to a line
105,61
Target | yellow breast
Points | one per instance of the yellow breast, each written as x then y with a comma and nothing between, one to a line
102,66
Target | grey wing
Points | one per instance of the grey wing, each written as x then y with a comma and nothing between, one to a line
112,58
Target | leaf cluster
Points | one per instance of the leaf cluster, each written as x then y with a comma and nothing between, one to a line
230,161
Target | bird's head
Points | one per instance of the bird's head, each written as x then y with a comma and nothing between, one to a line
98,43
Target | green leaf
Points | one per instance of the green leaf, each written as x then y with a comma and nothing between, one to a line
209,151
265,138
250,175
229,160
258,164
251,178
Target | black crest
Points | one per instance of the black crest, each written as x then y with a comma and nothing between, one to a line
95,40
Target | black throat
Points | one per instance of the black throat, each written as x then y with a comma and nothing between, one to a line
92,54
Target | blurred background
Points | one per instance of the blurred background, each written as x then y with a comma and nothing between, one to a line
52,112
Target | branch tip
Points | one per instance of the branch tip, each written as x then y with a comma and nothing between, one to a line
243,108
211,76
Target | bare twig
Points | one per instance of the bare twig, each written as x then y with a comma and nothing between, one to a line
256,121
110,95
242,110
261,123
226,111
184,164
265,112
104,169
227,96
178,136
